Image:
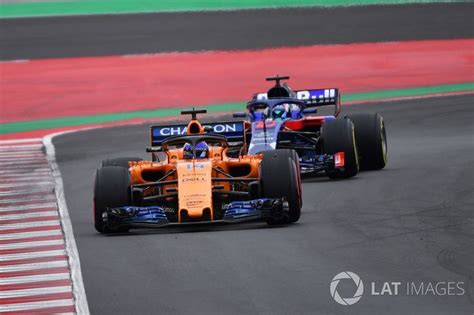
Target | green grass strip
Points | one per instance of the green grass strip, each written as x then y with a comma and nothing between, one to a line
88,7
216,108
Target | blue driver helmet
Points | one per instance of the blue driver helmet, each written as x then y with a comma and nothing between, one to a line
202,150
188,151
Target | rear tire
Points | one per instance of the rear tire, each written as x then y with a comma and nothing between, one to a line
112,189
371,140
280,177
338,136
121,162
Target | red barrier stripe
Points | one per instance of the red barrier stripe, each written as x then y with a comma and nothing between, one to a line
32,229
37,298
35,285
31,249
49,310
33,272
32,260
26,220
32,239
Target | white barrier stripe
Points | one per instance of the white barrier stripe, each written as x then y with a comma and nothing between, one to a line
7,157
36,291
23,166
81,304
35,140
25,192
35,305
49,253
30,244
29,207
13,175
39,199
23,162
35,278
35,266
28,215
7,226
19,236
25,179
17,152
25,172
32,184
23,146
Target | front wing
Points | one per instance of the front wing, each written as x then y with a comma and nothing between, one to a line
235,211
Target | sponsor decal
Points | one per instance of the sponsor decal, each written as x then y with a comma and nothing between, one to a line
181,130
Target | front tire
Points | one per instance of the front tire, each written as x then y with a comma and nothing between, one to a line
371,140
112,189
338,136
280,178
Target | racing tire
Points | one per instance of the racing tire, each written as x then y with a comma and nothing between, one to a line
121,162
280,177
338,136
111,189
371,140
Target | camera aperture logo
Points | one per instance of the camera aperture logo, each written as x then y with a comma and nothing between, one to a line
347,300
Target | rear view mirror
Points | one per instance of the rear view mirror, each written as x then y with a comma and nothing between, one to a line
239,115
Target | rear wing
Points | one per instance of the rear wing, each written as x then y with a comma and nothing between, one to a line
312,98
232,130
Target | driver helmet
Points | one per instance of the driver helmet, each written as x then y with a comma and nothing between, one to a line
202,150
281,111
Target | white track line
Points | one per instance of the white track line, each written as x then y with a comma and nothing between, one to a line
13,226
35,278
28,215
19,236
36,291
49,253
37,305
29,207
35,266
30,245
74,262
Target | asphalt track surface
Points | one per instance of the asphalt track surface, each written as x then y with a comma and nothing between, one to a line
48,37
412,221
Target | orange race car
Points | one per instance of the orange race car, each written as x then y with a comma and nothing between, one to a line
192,179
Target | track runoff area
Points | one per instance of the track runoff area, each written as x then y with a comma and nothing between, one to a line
41,266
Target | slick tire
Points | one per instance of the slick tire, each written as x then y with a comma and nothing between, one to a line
338,136
280,177
111,189
121,162
371,140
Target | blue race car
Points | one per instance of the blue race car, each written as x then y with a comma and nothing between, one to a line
337,146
